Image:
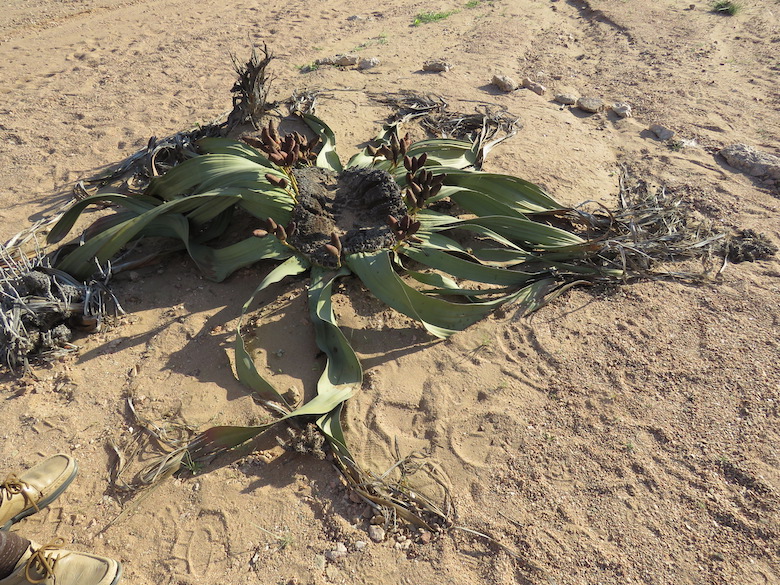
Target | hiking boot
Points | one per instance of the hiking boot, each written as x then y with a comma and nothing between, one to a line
51,565
35,489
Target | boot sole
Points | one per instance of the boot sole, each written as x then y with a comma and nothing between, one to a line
45,501
118,573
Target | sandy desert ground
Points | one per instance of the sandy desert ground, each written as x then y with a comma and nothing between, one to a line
621,435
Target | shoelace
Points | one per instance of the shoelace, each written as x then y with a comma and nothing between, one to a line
43,564
13,486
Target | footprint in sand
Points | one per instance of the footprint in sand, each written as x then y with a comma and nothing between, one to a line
470,445
202,548
197,546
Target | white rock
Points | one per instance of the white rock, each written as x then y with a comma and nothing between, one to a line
338,553
622,109
505,83
591,105
537,88
437,65
752,161
368,63
376,533
566,99
345,60
662,132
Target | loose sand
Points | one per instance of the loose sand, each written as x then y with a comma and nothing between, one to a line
617,436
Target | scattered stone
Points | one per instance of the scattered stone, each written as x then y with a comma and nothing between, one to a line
537,88
687,143
622,109
292,395
376,533
368,63
566,99
360,545
337,553
437,65
332,574
320,562
662,132
592,105
425,537
754,162
345,60
505,83
378,519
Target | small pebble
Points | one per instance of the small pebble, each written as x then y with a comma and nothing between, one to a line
537,88
345,60
360,544
622,109
505,83
332,574
591,105
338,553
566,99
368,63
376,533
377,519
437,65
662,132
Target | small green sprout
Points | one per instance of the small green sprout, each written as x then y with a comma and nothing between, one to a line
729,7
429,17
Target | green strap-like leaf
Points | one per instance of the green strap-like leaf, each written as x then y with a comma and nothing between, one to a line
525,231
210,171
501,256
271,202
65,224
445,152
81,262
514,193
434,241
227,146
327,158
462,268
219,263
343,368
330,425
277,204
440,317
433,219
436,280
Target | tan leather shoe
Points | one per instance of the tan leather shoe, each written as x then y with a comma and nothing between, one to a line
35,489
51,565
